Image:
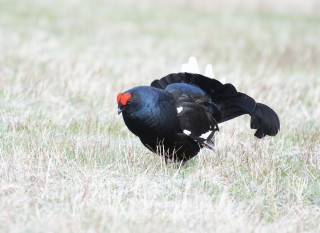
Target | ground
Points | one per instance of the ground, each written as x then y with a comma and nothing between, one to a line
69,164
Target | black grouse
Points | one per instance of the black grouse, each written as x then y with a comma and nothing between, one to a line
178,115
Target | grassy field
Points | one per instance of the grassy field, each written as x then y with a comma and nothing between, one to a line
69,164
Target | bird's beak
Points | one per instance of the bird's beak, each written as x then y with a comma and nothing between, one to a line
120,110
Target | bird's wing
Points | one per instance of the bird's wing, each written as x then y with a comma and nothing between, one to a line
223,101
195,119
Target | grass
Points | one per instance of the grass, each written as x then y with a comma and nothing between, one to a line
69,164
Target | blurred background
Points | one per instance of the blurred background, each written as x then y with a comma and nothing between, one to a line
152,38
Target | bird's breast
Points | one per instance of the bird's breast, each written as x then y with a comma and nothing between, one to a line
153,121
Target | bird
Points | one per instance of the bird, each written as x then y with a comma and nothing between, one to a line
177,115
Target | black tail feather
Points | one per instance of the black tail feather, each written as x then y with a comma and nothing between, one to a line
235,106
265,121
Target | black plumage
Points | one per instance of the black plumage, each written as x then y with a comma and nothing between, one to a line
178,115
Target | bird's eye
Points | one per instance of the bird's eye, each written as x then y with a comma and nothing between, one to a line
128,101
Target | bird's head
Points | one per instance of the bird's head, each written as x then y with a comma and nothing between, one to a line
137,99
129,101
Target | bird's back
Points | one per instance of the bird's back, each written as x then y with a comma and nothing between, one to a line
224,101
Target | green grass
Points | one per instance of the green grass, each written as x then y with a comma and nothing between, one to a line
69,164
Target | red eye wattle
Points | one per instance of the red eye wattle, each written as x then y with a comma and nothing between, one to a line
124,98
